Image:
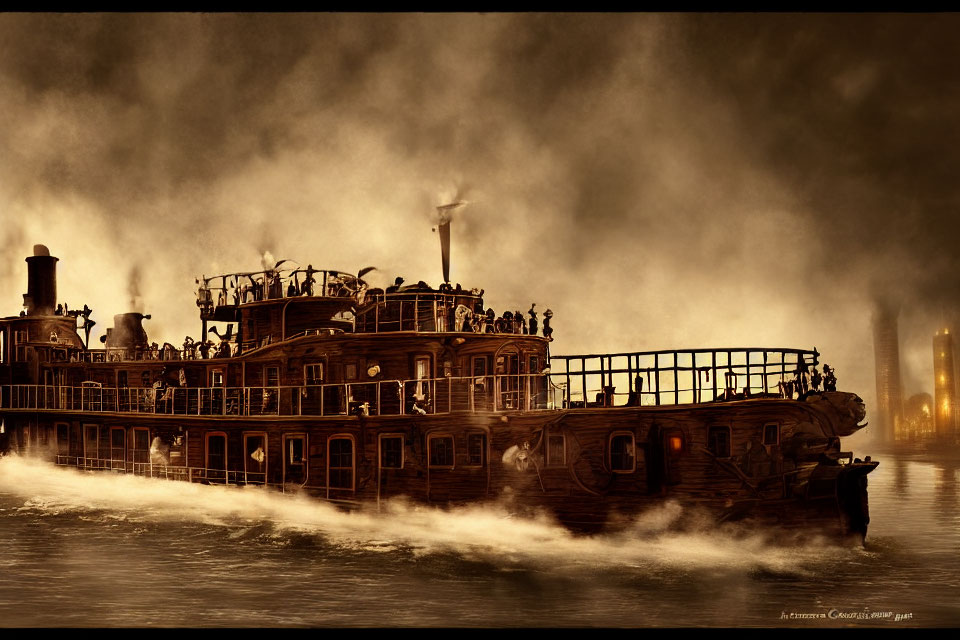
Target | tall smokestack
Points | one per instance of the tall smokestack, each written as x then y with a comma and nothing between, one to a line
944,386
41,296
446,212
886,351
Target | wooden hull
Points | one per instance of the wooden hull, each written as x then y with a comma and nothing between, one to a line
592,469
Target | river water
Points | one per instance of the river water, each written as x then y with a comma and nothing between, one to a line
101,550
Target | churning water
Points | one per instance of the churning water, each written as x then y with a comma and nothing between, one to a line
82,549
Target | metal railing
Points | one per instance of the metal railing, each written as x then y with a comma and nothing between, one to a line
429,311
687,376
518,392
164,471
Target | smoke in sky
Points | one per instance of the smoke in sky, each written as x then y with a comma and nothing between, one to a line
657,180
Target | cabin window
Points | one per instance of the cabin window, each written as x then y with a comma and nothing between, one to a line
271,377
145,379
3,346
421,368
141,445
19,339
313,373
556,450
771,434
216,456
477,449
91,438
441,451
350,371
718,441
122,379
391,452
255,458
622,459
340,463
216,378
294,460
118,443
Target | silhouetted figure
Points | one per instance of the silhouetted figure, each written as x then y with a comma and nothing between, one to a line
547,329
490,319
291,290
276,286
204,349
533,320
520,321
59,309
815,380
801,379
396,285
307,288
829,378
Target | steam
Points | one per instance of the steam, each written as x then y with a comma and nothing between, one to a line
133,289
490,532
657,180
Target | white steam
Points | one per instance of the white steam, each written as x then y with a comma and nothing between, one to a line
489,531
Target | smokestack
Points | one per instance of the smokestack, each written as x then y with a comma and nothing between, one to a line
446,211
886,352
41,296
127,332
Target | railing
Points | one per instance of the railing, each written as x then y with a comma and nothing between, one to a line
644,378
678,376
430,311
168,472
519,392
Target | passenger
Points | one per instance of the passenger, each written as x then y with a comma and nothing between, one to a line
533,320
488,326
801,378
829,378
547,329
508,325
815,380
462,314
520,322
396,285
59,309
307,288
276,285
291,289
204,349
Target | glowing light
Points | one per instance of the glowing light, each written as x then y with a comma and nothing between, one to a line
943,378
676,443
926,410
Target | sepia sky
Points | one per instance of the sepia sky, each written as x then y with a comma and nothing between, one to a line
657,180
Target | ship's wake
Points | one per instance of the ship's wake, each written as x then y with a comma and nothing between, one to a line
487,533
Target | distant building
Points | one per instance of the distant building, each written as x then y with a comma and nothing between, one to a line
945,386
918,417
886,352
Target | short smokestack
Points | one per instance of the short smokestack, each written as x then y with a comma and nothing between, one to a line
41,296
127,332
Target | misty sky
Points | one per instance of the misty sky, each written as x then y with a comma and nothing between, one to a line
658,181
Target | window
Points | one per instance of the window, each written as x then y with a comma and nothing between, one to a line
441,451
340,463
118,443
556,450
255,457
350,371
622,458
718,441
271,377
145,379
19,339
477,449
313,373
479,366
216,378
91,437
217,456
141,444
294,459
422,372
122,379
771,434
391,452
3,346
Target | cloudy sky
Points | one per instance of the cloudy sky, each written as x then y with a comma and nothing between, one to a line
658,181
